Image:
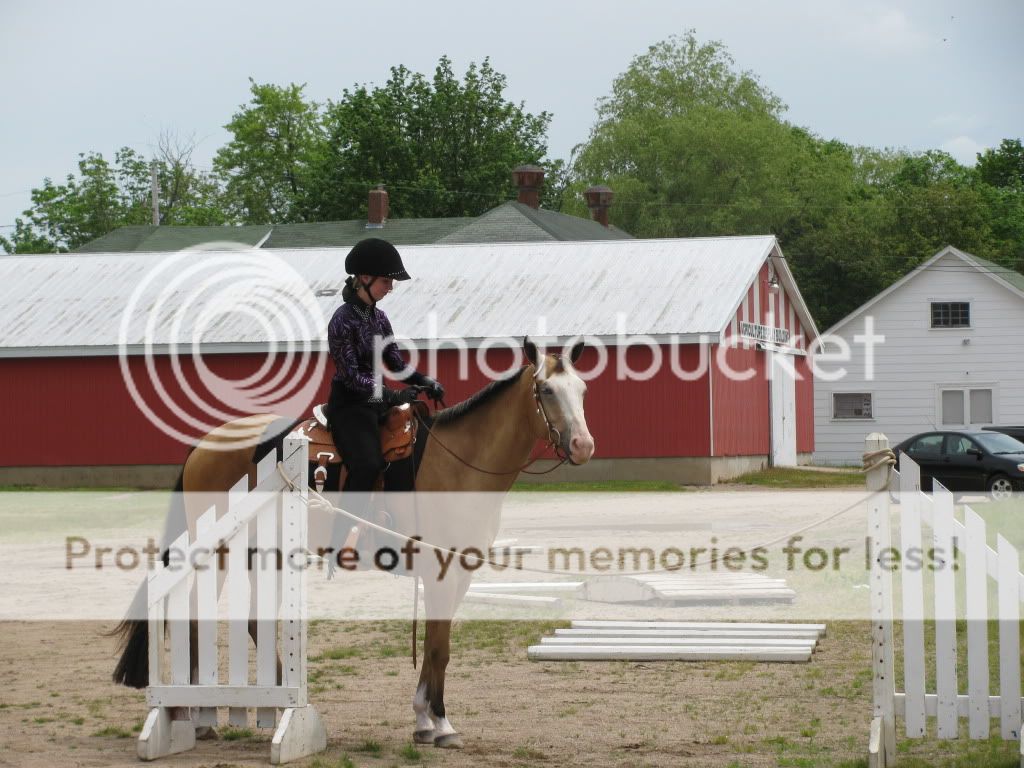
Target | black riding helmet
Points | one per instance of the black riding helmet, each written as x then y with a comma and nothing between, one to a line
377,258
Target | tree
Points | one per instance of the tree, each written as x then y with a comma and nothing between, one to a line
105,196
269,164
443,147
1003,167
694,148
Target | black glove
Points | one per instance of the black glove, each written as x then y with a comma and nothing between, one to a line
393,397
434,389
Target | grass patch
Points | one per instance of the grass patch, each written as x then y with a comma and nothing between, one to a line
610,486
528,753
235,734
338,653
787,477
115,731
410,753
370,747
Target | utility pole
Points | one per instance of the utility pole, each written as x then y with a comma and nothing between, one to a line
155,193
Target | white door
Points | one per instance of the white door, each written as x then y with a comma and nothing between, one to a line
783,395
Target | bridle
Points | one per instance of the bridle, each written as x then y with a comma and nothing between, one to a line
554,442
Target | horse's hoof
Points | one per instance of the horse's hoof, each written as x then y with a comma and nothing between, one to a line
206,733
423,737
448,741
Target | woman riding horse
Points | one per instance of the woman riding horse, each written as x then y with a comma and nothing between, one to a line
479,445
358,398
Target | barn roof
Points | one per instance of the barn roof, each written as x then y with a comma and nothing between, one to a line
1004,276
511,221
74,304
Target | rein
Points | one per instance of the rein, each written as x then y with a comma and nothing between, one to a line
554,442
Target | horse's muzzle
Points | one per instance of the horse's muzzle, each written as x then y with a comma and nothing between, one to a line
580,449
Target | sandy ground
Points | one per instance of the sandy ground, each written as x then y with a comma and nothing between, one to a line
58,708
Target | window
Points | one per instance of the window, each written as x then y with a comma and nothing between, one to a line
959,445
981,406
929,445
953,406
963,405
951,314
851,405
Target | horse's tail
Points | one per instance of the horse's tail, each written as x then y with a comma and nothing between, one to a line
133,634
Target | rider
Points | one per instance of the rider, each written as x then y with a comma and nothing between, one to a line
356,404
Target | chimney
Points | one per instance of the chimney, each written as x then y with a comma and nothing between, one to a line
378,208
529,179
599,200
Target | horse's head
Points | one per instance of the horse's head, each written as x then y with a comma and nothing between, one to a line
560,392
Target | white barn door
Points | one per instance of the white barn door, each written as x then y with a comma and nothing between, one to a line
783,396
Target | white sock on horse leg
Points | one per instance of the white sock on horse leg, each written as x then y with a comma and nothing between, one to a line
422,709
441,726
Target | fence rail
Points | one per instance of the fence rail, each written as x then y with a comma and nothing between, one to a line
929,533
184,595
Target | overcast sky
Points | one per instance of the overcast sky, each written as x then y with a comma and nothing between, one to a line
80,76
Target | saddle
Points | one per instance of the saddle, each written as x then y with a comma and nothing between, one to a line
397,438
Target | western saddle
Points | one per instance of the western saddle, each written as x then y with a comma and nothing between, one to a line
397,439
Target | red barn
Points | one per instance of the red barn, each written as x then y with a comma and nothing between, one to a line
697,358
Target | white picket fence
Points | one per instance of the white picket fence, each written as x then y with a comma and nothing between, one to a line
276,514
979,563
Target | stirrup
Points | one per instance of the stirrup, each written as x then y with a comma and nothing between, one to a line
320,416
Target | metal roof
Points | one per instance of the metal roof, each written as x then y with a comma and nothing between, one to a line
71,304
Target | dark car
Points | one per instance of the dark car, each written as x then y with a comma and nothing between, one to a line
967,460
1014,432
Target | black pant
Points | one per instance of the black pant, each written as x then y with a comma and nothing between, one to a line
355,427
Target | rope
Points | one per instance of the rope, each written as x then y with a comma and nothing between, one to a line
875,459
321,504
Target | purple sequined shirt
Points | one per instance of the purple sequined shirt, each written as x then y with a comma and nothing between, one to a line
350,338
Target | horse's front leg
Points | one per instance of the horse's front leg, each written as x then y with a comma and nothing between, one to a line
424,733
437,652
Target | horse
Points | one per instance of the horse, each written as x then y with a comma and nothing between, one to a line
479,445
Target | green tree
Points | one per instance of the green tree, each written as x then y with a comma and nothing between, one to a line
1003,167
268,166
692,147
443,147
105,196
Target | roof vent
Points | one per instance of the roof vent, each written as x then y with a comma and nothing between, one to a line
378,208
528,179
599,200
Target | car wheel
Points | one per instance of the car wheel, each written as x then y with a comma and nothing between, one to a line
1000,487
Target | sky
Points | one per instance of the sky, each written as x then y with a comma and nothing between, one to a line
94,76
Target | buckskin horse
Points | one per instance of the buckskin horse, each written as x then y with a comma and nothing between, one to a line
479,445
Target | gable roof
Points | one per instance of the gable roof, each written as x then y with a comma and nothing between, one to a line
72,304
154,239
514,222
509,222
1004,276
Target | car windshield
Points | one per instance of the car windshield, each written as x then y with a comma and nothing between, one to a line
997,442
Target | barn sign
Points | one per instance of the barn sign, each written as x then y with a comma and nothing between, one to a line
764,333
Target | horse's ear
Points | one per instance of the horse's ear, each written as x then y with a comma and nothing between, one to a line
531,351
576,351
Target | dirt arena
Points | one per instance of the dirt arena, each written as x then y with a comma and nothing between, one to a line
58,708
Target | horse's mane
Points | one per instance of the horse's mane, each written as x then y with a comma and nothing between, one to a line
485,395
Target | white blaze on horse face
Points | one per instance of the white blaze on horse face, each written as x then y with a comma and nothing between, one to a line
565,390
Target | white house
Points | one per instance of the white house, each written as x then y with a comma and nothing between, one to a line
952,357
